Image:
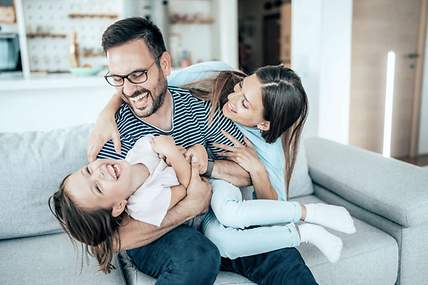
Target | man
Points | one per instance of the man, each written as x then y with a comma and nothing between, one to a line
138,66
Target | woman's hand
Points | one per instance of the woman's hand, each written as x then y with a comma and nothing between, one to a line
243,154
104,130
198,153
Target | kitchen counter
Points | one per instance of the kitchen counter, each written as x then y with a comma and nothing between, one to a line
51,81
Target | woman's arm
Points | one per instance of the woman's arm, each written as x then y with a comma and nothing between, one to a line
262,185
221,169
105,129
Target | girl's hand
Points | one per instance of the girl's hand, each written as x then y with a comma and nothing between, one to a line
104,130
198,153
243,154
164,146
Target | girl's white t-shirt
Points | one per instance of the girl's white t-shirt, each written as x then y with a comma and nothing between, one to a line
151,201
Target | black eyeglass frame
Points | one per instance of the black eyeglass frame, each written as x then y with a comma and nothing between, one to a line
123,77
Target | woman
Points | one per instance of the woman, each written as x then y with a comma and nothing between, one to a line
265,106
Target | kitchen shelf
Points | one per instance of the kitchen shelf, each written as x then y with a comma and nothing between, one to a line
43,28
92,15
91,53
8,28
192,22
46,35
189,19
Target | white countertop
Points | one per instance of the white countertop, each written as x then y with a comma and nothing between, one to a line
50,81
14,81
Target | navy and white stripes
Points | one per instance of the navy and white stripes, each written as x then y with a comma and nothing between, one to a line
189,126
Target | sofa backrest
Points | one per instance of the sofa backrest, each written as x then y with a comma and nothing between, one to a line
34,163
32,166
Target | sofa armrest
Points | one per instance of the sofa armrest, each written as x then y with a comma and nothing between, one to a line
393,189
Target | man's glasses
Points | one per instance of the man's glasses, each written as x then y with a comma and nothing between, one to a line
136,77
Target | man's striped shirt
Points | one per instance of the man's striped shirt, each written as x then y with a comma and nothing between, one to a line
189,126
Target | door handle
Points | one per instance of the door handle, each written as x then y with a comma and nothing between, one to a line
413,55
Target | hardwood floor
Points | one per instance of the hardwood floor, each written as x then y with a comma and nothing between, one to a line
421,160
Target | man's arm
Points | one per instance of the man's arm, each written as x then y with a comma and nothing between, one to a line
221,169
178,193
135,234
231,172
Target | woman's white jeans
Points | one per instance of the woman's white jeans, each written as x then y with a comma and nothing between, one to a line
247,227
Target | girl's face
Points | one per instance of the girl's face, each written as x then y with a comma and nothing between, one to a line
103,183
245,105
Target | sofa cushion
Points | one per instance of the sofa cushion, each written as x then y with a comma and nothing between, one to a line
33,165
51,259
300,183
370,256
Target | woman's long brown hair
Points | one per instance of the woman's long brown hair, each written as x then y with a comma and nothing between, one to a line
284,100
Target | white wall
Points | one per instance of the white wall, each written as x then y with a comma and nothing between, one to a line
45,108
227,20
321,55
335,83
306,54
321,31
423,128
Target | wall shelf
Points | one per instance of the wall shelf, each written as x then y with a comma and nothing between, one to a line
44,28
190,19
92,15
45,35
91,53
8,28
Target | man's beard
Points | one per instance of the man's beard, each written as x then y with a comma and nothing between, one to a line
157,101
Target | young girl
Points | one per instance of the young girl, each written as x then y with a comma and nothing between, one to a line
265,106
92,201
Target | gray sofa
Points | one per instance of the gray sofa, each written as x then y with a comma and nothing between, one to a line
388,198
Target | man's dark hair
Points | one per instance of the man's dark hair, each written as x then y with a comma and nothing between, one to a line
134,28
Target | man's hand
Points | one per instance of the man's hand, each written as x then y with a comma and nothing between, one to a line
199,192
104,130
199,153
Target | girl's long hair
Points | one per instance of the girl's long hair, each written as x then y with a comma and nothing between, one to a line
96,229
284,100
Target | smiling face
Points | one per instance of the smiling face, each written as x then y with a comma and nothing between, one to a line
134,56
104,184
245,104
